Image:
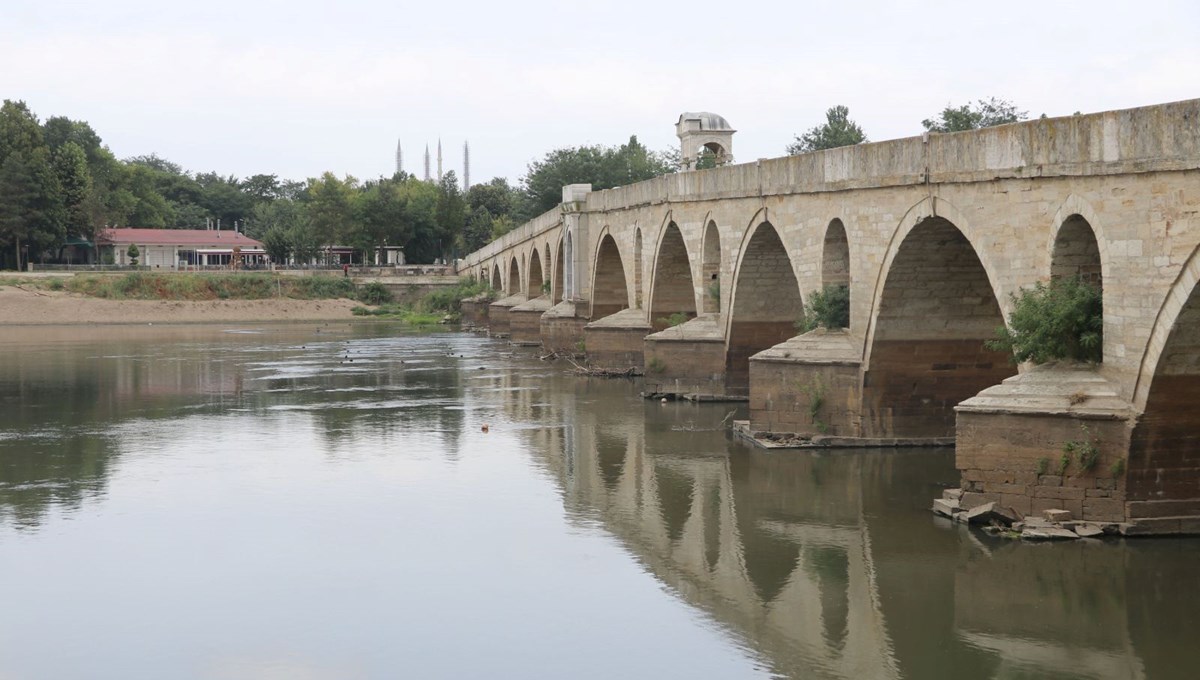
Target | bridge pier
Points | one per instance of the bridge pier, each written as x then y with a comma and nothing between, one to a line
498,315
808,386
1013,444
562,329
525,321
688,359
475,311
616,342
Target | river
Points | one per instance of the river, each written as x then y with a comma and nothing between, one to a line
324,501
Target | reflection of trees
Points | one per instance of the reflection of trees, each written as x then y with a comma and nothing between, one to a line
61,405
54,472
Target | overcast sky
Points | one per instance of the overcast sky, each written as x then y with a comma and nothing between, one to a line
299,87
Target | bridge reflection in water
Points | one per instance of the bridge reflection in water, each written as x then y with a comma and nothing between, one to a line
830,565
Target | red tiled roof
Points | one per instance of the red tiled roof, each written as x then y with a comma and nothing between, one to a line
205,238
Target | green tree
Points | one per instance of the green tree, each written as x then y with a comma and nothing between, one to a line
985,113
70,166
329,203
133,254
187,215
838,130
1063,319
284,213
478,230
380,217
305,242
502,225
31,206
59,131
827,308
278,244
496,196
19,130
420,213
602,167
149,207
262,188
451,214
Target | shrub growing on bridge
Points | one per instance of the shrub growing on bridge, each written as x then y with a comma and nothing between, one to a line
827,308
1061,320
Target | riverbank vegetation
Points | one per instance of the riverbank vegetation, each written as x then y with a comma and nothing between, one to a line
443,305
178,286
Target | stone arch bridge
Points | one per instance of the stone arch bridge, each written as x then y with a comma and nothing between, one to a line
699,281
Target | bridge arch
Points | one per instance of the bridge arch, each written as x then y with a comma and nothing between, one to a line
1068,243
534,274
1162,464
710,267
497,280
935,306
556,288
610,291
672,289
514,277
835,257
765,303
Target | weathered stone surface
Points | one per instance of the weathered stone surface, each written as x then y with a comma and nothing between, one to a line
1057,515
946,508
952,494
1088,530
989,513
1048,534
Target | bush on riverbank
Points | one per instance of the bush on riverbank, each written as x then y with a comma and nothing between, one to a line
400,313
449,300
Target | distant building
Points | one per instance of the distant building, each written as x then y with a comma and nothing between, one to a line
174,248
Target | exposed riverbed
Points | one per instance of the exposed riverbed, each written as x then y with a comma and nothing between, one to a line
321,501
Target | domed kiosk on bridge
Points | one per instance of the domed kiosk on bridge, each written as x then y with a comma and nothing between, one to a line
701,131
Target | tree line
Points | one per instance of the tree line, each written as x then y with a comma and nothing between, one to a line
59,181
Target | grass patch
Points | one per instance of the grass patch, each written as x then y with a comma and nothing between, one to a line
406,315
149,286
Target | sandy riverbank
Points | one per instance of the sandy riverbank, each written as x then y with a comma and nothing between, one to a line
30,307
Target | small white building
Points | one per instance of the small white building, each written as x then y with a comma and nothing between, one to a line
180,248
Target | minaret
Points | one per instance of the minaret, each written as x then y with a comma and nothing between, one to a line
426,162
439,160
399,158
466,166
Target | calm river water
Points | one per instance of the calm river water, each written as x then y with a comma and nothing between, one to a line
320,501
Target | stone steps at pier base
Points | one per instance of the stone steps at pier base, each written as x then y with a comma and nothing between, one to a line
616,342
562,328
498,321
688,361
808,386
790,440
1011,438
525,321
